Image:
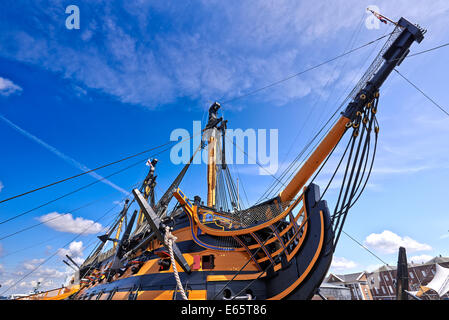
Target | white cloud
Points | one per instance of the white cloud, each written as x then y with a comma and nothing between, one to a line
8,282
7,87
420,259
48,277
340,263
389,242
263,41
1,250
75,251
399,170
49,273
65,222
372,267
28,286
32,264
1,186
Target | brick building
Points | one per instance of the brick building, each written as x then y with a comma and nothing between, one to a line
356,282
382,281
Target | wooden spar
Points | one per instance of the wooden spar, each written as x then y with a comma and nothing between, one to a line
119,252
314,161
212,169
392,57
148,186
211,134
146,195
156,226
119,230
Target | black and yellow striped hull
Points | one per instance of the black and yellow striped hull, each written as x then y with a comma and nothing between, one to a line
289,264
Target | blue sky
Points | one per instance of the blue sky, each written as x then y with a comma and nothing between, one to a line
136,70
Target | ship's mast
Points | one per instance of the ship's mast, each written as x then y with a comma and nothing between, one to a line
210,134
402,276
392,57
148,187
212,169
119,231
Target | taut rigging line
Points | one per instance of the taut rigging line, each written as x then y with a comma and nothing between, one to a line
304,71
92,170
76,190
51,256
52,219
422,92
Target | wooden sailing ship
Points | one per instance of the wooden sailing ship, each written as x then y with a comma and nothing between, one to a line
278,249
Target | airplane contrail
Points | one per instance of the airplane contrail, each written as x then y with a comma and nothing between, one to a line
63,156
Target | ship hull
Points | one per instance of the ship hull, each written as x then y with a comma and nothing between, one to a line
295,274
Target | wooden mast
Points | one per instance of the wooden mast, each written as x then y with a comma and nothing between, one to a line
212,168
315,160
211,135
119,230
393,56
148,186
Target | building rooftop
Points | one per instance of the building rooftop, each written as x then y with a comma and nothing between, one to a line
385,268
332,286
411,264
438,260
346,278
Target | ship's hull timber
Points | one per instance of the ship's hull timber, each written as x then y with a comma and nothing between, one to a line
55,294
291,264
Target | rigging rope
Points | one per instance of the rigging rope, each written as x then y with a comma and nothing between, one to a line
349,45
91,241
54,218
92,170
270,190
52,255
428,50
67,194
354,188
273,185
364,122
252,256
85,186
169,238
242,184
304,71
356,183
303,223
372,253
37,244
255,160
422,92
